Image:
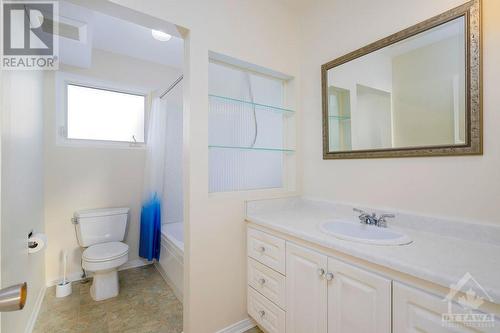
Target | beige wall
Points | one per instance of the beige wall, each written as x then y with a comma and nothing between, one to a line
423,103
89,177
22,188
461,187
261,32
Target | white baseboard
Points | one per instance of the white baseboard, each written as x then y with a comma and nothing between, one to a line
36,310
239,327
78,275
178,293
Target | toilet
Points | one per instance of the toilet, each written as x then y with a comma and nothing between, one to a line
101,232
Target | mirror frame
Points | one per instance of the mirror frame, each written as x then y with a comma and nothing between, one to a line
471,11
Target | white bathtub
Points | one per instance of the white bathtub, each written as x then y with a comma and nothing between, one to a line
171,264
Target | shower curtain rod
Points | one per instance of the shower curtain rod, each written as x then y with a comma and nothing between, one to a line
172,86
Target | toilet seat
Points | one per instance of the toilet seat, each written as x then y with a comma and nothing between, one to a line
105,252
103,260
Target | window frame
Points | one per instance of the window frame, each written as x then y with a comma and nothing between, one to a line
63,80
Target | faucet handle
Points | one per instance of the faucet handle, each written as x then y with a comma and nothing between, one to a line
363,217
357,210
382,220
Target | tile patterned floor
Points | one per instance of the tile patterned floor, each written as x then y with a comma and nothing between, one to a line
145,304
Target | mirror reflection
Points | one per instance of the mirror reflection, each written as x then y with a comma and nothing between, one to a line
408,94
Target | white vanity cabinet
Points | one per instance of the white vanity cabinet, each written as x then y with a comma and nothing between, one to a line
359,301
323,294
416,310
326,295
306,290
293,288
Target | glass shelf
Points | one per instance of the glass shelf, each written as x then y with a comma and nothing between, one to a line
340,117
252,148
274,108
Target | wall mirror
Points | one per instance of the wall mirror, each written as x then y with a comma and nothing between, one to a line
414,93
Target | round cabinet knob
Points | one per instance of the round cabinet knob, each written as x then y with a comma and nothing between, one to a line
262,249
262,281
329,276
262,313
321,272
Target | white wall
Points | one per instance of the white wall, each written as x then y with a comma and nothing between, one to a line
89,177
373,118
173,210
22,188
261,32
461,187
374,71
429,119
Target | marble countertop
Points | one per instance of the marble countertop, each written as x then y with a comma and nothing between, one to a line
442,257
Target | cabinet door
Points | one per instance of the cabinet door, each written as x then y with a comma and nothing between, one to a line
306,290
358,301
418,311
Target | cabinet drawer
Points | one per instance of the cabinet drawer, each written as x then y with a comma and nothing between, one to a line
269,316
266,249
267,282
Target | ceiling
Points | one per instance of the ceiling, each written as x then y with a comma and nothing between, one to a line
112,34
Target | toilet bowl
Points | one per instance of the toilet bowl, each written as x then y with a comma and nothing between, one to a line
101,232
103,260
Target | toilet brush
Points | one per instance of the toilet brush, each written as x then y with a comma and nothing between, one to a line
63,288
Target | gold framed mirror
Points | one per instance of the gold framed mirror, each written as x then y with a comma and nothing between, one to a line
414,93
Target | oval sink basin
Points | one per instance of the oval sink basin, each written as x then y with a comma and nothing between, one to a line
364,233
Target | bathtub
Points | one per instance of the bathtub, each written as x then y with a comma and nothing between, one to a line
171,264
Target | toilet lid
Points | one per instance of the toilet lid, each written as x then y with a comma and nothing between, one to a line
105,251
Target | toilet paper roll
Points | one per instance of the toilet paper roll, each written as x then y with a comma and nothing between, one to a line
37,242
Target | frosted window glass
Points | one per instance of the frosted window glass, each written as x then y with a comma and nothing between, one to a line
97,114
257,130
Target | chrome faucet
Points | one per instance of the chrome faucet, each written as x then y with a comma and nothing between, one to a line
372,218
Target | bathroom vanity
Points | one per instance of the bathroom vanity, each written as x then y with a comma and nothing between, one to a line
303,279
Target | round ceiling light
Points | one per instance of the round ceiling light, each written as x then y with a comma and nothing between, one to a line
160,35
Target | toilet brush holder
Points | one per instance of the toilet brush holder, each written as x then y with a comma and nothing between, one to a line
63,289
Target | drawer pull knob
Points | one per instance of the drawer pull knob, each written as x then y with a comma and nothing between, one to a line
321,272
262,313
329,276
262,281
262,249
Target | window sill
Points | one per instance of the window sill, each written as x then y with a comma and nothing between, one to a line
75,143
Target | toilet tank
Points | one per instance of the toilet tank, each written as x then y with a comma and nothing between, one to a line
95,226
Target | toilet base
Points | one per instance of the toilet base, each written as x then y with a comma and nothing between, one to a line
104,285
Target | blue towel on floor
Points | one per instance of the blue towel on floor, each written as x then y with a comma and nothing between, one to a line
149,242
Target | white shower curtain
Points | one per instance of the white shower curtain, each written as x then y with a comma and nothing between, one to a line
152,213
156,154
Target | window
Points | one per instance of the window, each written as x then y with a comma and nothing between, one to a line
250,130
104,115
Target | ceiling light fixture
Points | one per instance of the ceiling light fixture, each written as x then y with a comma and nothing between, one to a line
160,35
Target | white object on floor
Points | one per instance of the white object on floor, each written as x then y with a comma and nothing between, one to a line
63,289
101,231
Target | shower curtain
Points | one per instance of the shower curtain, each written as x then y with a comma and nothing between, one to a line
154,182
